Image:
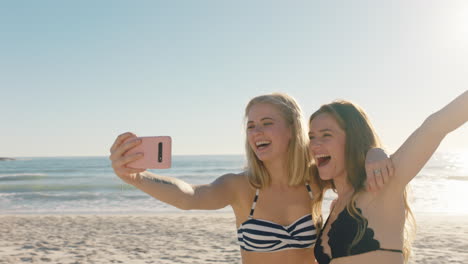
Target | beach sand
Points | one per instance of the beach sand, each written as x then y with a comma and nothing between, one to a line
177,238
441,239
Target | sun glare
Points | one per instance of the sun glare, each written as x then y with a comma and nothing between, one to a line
462,21
463,160
457,188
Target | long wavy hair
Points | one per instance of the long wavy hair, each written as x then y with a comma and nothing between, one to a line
360,138
298,158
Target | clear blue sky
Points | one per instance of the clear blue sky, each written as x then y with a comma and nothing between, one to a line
75,74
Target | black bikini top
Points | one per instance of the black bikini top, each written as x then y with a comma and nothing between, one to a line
340,237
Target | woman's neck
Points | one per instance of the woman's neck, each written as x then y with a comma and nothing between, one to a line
343,188
278,172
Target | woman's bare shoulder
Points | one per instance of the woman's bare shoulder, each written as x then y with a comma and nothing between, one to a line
237,179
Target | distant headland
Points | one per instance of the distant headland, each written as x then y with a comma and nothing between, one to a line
3,158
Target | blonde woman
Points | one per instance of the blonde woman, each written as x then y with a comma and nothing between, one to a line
271,199
366,227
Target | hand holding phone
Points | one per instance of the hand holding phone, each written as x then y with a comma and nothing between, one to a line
156,151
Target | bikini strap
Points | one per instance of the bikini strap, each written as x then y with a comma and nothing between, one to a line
391,250
309,190
254,204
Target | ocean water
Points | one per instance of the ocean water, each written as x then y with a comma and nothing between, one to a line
87,185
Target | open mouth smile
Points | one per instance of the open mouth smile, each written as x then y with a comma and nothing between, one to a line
322,159
262,144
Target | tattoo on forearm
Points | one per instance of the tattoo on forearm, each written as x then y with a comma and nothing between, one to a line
156,180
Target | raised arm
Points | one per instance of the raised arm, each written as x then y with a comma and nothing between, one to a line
409,159
170,190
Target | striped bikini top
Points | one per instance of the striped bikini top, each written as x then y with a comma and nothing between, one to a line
265,236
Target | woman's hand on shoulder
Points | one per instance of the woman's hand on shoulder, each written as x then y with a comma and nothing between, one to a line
122,144
379,169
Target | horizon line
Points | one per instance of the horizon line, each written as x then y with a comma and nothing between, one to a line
102,156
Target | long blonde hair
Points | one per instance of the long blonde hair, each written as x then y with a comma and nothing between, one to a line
360,137
298,158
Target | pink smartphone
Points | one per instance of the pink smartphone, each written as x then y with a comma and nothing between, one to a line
157,153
